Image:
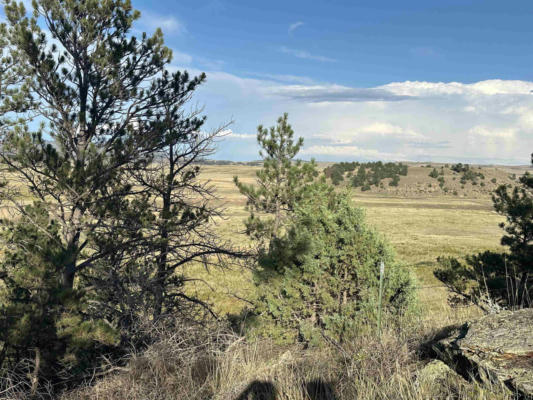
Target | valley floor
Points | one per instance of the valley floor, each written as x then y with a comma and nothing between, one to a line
421,228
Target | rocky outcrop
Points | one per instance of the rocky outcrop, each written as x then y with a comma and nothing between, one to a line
496,349
436,378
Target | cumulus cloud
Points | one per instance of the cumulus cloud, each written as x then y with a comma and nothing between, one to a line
336,93
489,121
488,87
387,129
305,55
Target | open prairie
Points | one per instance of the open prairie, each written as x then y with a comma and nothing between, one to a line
422,223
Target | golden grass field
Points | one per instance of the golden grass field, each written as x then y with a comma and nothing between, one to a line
421,221
421,226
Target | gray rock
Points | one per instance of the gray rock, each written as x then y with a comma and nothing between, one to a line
434,371
497,349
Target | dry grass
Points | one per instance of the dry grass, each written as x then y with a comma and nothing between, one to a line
421,227
189,364
192,365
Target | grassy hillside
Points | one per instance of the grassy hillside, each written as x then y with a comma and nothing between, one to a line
448,182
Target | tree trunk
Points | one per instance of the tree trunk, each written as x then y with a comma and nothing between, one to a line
35,375
69,271
161,266
523,285
68,275
164,248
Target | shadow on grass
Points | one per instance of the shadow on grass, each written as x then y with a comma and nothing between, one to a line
262,390
259,390
427,264
319,390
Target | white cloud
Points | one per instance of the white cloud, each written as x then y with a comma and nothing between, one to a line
387,129
337,93
372,132
305,55
180,58
228,133
351,152
507,133
526,121
285,78
488,87
481,122
296,25
168,23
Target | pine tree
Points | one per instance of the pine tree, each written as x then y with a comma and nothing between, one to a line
175,213
361,178
337,177
321,277
13,83
89,107
499,279
517,207
96,92
280,182
39,320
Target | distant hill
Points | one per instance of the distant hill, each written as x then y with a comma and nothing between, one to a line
480,182
427,179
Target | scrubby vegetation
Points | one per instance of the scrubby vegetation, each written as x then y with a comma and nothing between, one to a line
368,174
494,280
434,173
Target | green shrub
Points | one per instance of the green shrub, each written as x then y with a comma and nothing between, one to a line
336,177
395,181
486,279
494,280
370,173
460,167
322,276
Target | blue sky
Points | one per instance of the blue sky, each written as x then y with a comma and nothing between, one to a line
358,43
448,80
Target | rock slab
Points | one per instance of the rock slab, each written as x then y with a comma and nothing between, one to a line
498,348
